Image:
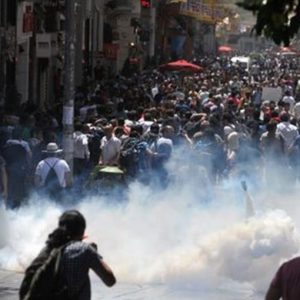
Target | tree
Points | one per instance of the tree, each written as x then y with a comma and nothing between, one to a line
276,19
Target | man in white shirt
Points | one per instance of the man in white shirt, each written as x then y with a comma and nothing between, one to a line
58,165
287,131
110,148
289,99
297,110
81,149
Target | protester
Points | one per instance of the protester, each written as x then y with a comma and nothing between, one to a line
225,106
53,174
81,149
286,283
17,155
161,153
110,148
77,259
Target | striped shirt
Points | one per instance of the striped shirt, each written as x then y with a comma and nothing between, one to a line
77,260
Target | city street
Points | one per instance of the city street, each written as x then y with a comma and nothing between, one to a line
9,283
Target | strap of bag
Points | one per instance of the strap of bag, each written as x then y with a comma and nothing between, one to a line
53,166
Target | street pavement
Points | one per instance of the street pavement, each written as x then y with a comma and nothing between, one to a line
10,282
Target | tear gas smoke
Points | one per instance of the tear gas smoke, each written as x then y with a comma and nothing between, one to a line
179,236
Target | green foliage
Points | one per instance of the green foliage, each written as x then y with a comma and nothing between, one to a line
276,19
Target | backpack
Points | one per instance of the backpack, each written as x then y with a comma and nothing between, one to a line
43,280
129,156
52,184
94,147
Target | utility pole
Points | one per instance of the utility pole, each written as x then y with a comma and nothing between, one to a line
152,29
69,81
3,51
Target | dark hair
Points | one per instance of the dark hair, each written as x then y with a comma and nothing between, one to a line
272,125
138,129
17,133
121,122
284,117
154,128
78,126
147,117
71,225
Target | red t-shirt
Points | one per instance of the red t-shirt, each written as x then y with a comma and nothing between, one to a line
287,280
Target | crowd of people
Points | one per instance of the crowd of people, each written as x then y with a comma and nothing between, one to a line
219,116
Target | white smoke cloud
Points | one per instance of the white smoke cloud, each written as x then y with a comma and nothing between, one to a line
177,237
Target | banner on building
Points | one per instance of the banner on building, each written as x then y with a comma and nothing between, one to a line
177,44
208,11
28,19
110,51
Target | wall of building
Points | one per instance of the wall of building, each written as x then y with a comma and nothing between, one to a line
24,34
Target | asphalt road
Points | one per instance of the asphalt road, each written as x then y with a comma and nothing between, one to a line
10,281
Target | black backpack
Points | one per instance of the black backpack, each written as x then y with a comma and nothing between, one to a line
43,279
94,147
52,184
129,156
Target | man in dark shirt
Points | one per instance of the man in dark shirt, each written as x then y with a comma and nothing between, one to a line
78,258
286,283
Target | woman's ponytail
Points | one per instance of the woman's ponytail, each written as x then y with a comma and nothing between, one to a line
58,237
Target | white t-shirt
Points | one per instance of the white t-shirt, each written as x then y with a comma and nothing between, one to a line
81,149
297,110
289,133
146,125
61,168
290,100
110,150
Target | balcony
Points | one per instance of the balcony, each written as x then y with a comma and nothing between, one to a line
46,45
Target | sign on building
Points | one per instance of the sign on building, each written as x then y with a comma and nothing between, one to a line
27,19
110,51
209,11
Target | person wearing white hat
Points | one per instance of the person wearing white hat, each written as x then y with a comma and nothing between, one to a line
53,163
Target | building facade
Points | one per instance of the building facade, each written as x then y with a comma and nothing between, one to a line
120,35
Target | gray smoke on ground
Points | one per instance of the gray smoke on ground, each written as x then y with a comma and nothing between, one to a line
189,234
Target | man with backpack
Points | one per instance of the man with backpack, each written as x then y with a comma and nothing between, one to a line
134,154
60,272
53,174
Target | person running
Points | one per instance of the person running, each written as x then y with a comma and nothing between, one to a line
77,259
